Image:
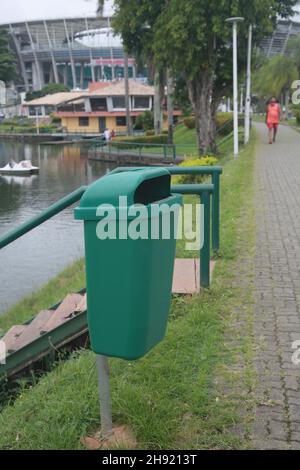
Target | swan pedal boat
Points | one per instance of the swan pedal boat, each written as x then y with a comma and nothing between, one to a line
24,168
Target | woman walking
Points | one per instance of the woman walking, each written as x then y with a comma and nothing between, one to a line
273,119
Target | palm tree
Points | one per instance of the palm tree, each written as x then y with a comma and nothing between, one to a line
275,78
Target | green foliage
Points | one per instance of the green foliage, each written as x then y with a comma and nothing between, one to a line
130,142
293,50
189,122
275,76
144,122
162,411
191,38
194,179
224,123
298,117
7,59
181,95
22,125
50,89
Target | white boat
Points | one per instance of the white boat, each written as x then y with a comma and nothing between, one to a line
23,168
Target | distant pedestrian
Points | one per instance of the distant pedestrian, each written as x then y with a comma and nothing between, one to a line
107,135
273,116
112,134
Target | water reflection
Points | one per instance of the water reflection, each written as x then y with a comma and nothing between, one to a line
31,261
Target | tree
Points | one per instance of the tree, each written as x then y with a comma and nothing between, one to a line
7,60
293,51
190,37
275,76
50,89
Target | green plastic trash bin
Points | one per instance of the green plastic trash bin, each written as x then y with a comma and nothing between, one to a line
129,278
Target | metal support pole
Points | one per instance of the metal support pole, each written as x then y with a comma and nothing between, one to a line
157,105
216,213
242,100
127,94
104,396
205,250
37,121
235,93
248,91
170,105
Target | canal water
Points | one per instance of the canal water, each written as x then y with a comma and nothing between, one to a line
31,261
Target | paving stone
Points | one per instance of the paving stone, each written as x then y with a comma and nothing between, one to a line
277,289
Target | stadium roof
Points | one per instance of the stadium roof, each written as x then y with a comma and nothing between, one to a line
277,43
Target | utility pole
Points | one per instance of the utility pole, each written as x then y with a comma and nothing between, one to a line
157,105
127,94
235,22
170,105
248,90
37,120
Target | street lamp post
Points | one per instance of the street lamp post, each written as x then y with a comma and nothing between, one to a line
248,91
235,22
37,120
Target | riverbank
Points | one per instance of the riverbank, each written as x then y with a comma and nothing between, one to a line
194,390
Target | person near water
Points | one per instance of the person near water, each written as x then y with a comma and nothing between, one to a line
273,116
107,135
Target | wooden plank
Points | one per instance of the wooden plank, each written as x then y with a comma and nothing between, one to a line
33,330
12,335
186,279
64,312
82,306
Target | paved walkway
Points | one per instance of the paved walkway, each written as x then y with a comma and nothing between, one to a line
277,289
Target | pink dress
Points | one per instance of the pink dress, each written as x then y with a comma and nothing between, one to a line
273,115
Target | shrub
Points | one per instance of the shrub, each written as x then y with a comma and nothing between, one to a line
189,122
50,89
298,117
144,122
130,142
152,132
224,123
55,119
194,179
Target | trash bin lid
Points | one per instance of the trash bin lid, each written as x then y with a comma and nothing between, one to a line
140,186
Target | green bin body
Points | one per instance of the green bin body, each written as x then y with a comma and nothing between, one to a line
129,281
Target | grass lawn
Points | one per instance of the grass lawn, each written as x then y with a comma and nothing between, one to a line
191,392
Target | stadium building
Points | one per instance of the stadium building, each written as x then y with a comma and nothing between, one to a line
76,51
276,44
68,51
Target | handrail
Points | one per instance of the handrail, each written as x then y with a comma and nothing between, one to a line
215,172
204,191
39,219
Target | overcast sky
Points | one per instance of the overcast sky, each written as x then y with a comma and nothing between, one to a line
20,10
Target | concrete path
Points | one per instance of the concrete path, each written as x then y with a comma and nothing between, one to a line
277,290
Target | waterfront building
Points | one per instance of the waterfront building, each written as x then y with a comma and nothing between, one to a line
101,106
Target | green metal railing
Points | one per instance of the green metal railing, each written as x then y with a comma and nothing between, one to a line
42,346
215,172
168,151
204,191
39,219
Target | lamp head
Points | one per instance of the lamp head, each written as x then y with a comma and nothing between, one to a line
235,19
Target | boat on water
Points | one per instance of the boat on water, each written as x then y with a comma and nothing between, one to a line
24,168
